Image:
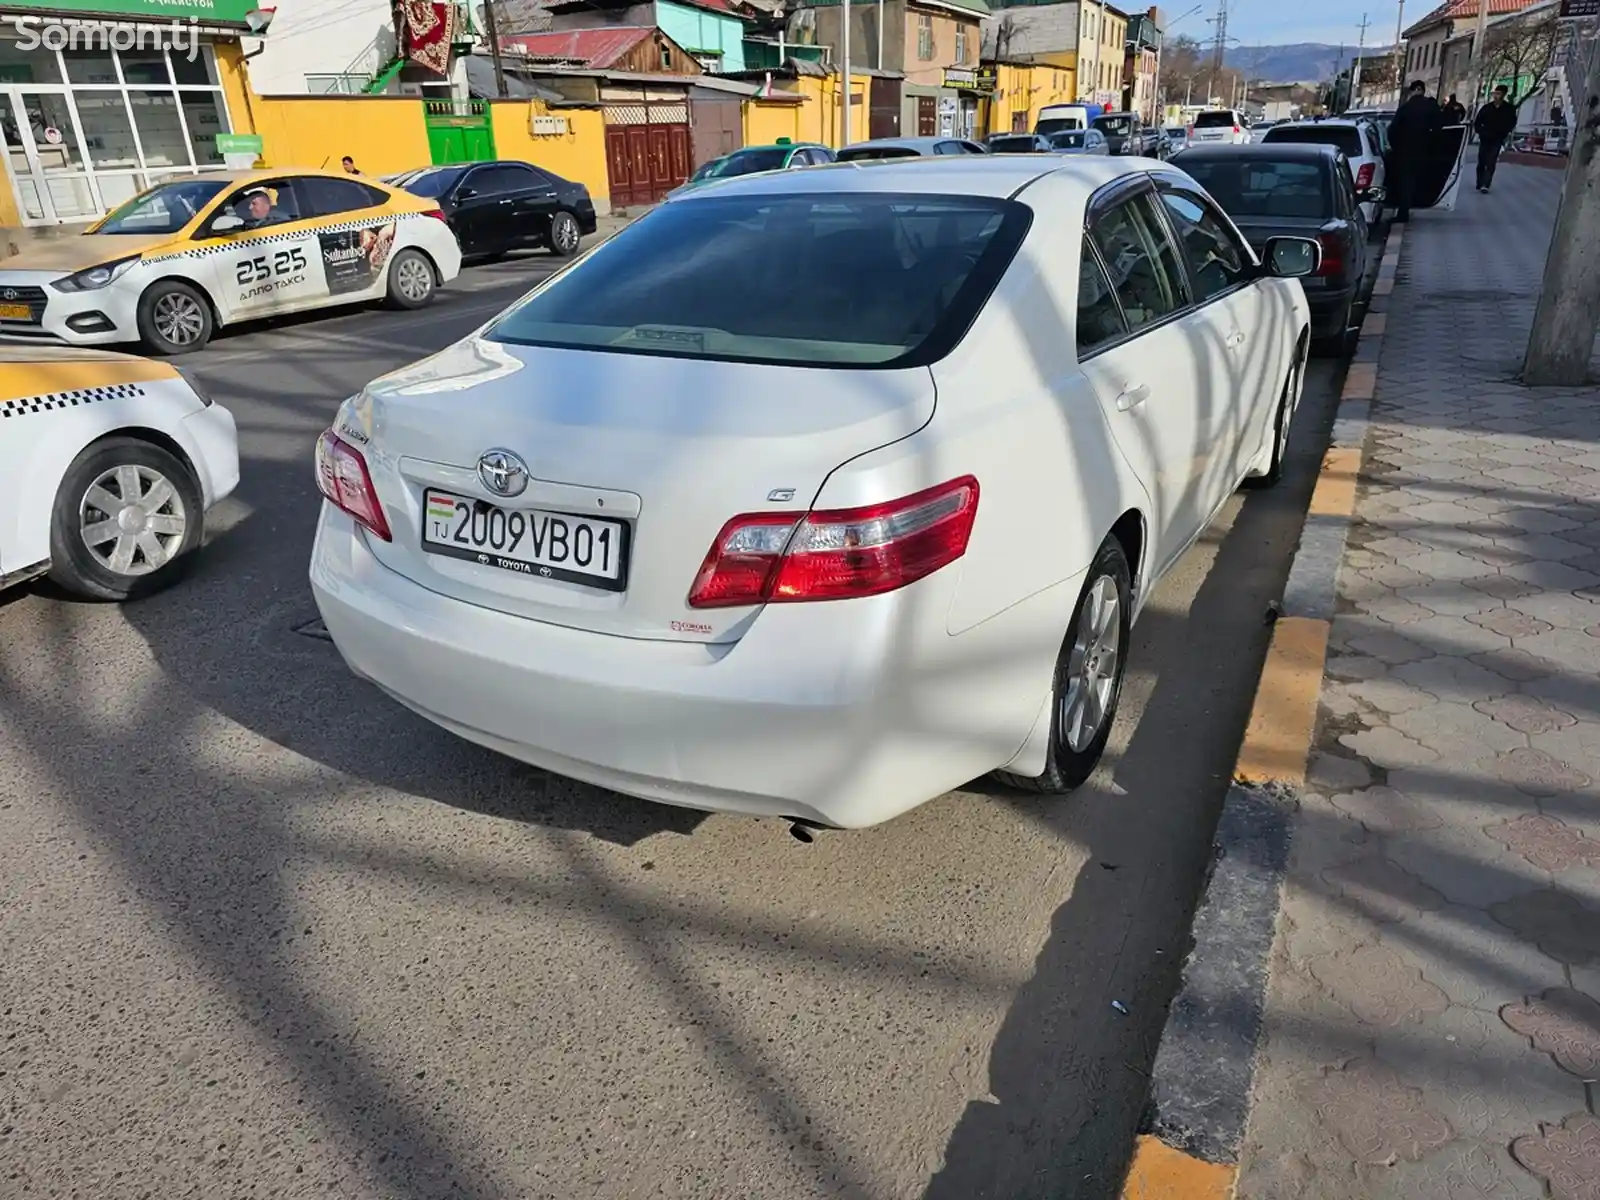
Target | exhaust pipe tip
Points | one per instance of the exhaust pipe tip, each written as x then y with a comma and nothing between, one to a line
801,834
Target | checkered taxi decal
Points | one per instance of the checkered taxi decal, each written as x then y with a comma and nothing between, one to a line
292,231
25,406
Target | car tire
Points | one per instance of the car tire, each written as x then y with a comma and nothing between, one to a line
1281,423
412,282
1084,678
174,318
565,236
140,548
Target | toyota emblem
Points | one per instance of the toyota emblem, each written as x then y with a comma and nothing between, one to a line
503,473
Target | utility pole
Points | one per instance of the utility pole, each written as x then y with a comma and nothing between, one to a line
1220,48
1568,315
1399,53
844,136
1355,67
494,48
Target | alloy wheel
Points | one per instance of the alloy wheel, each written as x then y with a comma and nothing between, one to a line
566,234
414,279
1093,666
132,519
179,319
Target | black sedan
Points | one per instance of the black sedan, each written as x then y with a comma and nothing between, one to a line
494,207
1277,189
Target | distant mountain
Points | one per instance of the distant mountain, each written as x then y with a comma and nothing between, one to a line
1302,62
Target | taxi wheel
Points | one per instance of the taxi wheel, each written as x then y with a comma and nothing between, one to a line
174,318
411,281
564,235
126,515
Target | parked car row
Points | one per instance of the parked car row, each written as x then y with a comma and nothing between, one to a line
190,255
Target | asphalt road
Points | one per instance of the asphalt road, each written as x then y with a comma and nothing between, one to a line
267,934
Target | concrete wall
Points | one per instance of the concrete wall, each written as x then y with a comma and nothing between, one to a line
319,37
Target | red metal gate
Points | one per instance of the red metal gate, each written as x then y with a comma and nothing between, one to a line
647,150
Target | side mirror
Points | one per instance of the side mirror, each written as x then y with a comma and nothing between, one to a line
1293,257
227,223
466,193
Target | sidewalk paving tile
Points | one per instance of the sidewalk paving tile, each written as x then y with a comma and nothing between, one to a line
1432,1028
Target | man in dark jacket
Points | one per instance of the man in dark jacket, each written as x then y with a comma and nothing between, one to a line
1409,134
1493,125
1455,112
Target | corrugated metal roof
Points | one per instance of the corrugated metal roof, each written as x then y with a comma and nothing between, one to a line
1459,10
599,48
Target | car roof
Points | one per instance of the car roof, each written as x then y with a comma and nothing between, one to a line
258,175
910,143
1000,176
1279,151
1345,122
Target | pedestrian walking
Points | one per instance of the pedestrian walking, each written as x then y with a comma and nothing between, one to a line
1455,113
1494,124
1410,131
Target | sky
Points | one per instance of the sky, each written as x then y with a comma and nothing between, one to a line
1280,22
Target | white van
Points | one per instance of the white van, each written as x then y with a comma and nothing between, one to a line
1056,118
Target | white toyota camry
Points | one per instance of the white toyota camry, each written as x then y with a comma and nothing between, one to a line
817,494
107,466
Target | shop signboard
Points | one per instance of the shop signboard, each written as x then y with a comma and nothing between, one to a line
229,12
1579,8
239,150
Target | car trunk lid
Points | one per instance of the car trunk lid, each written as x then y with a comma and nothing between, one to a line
662,451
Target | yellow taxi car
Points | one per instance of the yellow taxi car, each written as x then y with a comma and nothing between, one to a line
194,253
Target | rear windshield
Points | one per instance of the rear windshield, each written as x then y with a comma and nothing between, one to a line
1346,137
866,153
1211,120
1072,139
1119,124
430,184
1016,144
1057,124
747,162
1255,188
856,280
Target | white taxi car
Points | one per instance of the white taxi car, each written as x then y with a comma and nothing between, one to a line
108,465
191,254
816,494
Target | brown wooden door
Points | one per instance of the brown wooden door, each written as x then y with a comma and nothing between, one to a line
618,173
639,164
927,117
883,117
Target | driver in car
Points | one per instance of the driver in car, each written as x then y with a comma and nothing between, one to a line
256,209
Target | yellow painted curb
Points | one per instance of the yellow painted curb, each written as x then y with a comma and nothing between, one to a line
1335,494
1277,741
1161,1173
1360,381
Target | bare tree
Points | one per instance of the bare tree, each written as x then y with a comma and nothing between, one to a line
1519,50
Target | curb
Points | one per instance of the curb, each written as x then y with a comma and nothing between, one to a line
1201,1082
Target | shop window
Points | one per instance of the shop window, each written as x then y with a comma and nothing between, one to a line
144,67
27,66
202,113
155,115
202,72
94,67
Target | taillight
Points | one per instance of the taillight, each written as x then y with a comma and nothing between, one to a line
342,477
1364,176
1236,129
1332,255
436,213
773,558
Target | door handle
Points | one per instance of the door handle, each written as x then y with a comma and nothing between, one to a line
1132,397
505,202
1235,339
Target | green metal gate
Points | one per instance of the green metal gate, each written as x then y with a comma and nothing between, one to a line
459,131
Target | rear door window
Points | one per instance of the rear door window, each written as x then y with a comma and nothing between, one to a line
863,280
1099,319
1146,272
324,197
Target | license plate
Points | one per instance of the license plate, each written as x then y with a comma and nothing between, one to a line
548,545
15,312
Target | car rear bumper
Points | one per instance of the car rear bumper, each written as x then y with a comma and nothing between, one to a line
844,713
1330,310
